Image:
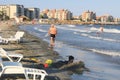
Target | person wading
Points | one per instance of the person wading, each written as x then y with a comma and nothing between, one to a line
52,32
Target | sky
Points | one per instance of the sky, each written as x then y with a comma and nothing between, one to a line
100,7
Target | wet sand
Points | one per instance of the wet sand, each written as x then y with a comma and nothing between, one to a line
35,50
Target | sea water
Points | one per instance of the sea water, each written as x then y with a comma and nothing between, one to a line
100,51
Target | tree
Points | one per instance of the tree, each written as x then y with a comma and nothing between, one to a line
41,16
3,16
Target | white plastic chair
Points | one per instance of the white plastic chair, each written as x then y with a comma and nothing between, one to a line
4,53
17,68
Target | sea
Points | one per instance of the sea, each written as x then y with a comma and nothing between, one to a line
100,51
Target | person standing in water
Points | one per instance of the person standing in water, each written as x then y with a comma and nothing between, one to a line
101,28
52,32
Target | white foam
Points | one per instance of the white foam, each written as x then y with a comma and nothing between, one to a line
105,30
111,53
41,30
99,38
112,30
94,29
71,25
74,29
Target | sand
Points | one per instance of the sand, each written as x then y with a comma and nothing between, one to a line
35,50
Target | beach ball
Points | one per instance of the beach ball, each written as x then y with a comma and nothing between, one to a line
46,65
49,61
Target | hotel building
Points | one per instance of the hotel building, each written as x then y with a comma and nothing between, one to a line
16,10
34,13
13,10
57,14
107,18
88,16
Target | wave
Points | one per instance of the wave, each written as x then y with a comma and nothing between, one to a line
96,37
74,29
71,25
60,44
41,30
111,53
100,38
88,29
94,29
112,30
105,30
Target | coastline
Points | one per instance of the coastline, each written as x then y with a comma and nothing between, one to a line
32,48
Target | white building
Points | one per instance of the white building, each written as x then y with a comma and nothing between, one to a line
16,10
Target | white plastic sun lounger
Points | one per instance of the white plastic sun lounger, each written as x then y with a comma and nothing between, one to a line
35,73
8,55
17,68
17,37
12,68
3,40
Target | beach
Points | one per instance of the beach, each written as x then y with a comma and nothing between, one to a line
99,53
34,49
84,44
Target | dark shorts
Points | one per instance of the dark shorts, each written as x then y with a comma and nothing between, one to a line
52,35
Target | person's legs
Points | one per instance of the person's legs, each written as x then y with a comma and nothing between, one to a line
52,40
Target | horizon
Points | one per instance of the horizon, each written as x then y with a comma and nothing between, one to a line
76,7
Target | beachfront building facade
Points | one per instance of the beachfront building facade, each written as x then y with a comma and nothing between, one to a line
88,16
3,11
117,19
26,12
43,14
57,14
12,10
107,18
16,11
33,13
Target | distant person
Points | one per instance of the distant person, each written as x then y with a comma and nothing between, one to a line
61,63
52,32
101,29
70,59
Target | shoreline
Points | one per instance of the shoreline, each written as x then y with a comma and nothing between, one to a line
32,48
36,51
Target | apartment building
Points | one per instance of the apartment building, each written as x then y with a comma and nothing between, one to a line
12,10
88,16
34,13
107,18
16,10
57,14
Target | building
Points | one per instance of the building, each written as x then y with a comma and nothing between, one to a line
57,14
107,18
16,11
3,12
34,13
12,10
88,16
117,19
26,12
